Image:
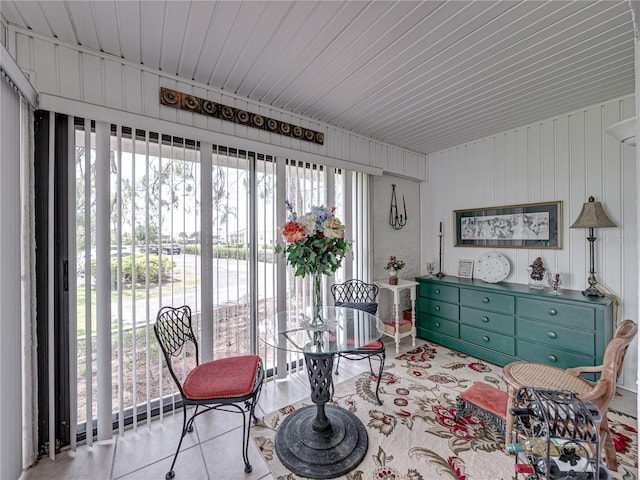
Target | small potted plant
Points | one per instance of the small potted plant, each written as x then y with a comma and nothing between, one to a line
394,266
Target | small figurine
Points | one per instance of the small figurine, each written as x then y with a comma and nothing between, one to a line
537,270
536,274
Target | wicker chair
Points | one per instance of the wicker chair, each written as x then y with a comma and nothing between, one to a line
600,394
358,294
603,391
229,384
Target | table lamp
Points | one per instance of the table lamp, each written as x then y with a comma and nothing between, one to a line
592,216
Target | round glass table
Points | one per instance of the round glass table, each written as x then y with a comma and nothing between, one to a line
322,441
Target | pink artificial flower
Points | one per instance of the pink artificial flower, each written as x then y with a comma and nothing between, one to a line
293,232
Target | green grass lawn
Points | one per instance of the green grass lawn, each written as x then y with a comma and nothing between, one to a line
176,283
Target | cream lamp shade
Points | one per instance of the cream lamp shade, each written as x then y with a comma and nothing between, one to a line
593,216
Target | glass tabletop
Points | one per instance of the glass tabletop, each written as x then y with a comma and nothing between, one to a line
345,329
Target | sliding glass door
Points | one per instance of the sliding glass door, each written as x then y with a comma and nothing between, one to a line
160,220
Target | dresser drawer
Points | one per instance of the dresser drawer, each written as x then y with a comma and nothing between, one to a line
444,327
557,312
439,292
445,310
487,320
537,352
581,341
494,341
488,301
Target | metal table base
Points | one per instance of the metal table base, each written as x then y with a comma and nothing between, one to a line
322,442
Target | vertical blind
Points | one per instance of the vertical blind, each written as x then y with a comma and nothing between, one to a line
133,192
161,220
18,372
10,294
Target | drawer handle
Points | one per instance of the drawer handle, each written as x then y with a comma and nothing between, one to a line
552,334
437,291
485,338
437,308
553,311
485,299
485,319
552,358
437,324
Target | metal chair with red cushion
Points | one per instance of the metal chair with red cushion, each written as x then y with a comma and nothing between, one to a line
361,295
229,384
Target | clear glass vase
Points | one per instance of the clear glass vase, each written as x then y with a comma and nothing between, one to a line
316,301
393,277
554,279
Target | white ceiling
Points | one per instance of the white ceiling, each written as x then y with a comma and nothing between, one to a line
423,75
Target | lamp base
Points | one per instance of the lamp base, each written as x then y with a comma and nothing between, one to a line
592,291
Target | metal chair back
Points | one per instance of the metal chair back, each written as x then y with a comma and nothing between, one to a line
354,291
173,330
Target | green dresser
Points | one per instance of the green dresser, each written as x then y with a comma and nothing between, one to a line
503,322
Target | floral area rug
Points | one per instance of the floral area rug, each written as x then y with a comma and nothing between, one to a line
412,436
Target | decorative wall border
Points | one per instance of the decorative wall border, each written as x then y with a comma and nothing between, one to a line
184,101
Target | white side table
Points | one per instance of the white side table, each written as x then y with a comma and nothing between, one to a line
395,289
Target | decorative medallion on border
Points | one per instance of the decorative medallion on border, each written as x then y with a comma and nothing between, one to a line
184,101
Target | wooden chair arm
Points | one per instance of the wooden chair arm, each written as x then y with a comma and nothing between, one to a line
599,390
576,371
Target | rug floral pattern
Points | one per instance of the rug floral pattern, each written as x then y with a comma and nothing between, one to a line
413,435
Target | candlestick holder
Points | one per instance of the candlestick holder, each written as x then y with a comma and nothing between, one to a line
397,221
440,273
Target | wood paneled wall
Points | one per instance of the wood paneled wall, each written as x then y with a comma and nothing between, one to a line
81,74
568,158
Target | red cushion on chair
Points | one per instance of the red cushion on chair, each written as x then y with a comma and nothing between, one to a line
223,378
377,345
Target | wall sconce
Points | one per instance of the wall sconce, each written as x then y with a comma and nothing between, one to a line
592,216
397,221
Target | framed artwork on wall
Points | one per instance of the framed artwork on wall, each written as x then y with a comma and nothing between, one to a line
531,225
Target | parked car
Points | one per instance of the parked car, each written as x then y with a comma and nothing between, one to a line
217,240
171,249
153,248
125,250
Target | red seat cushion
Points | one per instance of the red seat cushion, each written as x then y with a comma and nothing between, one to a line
488,398
377,345
223,378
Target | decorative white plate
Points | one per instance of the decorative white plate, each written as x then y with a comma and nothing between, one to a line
493,267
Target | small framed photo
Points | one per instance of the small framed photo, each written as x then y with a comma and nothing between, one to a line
465,268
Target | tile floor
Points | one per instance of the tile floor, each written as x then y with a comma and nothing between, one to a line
212,452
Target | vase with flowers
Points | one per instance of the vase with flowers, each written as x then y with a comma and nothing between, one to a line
314,245
394,266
